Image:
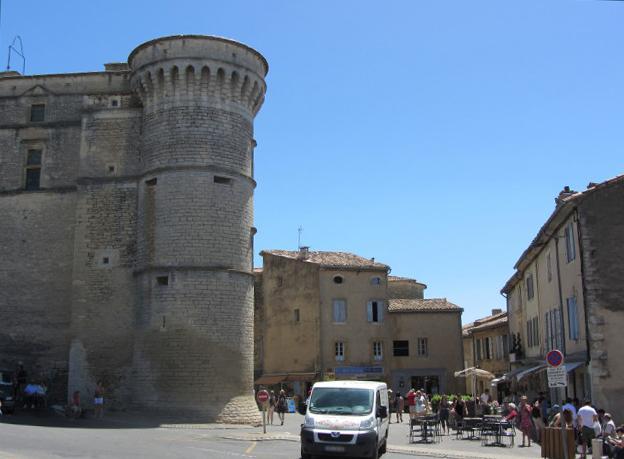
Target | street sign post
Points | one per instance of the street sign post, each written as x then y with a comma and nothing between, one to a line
554,358
263,397
558,377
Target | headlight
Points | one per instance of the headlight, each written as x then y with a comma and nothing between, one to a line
366,424
308,421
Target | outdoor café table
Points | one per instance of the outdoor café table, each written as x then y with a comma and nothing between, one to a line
470,426
427,424
496,426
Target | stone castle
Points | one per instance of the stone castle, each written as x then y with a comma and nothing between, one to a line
126,227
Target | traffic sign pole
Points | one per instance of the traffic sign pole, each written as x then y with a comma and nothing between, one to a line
263,398
558,377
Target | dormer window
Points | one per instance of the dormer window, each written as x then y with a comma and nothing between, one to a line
37,113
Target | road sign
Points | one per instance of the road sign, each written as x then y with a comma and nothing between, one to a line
557,377
554,358
262,396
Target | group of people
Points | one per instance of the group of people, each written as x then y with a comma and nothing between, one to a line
277,403
530,417
588,423
75,410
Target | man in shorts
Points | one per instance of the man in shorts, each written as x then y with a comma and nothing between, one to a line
586,418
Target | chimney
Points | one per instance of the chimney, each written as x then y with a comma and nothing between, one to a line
304,253
496,311
563,194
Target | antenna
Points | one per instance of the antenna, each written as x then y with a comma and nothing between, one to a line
19,52
300,231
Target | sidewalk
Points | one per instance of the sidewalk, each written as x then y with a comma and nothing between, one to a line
398,435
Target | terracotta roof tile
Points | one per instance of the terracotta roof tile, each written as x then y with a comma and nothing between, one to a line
426,305
485,323
337,260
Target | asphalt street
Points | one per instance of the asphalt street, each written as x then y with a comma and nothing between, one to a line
51,437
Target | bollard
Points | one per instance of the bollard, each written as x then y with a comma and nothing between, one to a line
597,448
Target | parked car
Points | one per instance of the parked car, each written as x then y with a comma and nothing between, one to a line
6,392
346,418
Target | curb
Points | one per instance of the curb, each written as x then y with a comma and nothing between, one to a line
406,450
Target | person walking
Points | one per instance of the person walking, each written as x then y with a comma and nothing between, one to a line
524,418
272,402
400,407
443,413
98,400
586,419
281,406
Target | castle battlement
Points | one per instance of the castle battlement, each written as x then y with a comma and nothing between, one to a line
208,71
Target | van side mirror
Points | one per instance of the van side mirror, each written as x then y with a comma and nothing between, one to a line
382,412
301,408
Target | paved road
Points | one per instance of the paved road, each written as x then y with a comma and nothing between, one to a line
44,438
127,436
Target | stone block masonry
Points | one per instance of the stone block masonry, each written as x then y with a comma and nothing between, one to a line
135,246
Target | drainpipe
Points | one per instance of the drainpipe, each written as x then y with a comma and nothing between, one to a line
562,322
579,234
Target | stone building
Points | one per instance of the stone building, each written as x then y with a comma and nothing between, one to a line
567,294
325,315
486,346
126,235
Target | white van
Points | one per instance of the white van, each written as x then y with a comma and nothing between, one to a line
346,418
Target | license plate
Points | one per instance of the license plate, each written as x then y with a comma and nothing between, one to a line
335,449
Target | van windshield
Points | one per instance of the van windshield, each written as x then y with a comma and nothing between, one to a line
343,400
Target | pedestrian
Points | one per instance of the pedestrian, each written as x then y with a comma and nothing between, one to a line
524,417
74,410
281,406
586,419
443,413
421,404
400,407
411,403
536,414
98,400
272,402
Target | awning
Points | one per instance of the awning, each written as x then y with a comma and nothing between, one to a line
511,374
268,380
301,377
530,371
572,366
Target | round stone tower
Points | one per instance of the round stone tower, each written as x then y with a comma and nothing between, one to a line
194,348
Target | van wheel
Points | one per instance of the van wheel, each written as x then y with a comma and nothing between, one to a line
382,450
304,455
375,454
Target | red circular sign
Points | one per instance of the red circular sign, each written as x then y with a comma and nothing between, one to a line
262,396
554,358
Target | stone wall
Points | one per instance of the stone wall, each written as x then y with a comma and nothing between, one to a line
601,217
36,249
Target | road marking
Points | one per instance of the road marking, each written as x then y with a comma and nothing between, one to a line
220,451
251,447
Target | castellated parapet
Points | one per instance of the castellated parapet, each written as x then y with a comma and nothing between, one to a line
150,169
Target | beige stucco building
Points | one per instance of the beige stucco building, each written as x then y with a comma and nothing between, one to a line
566,294
486,346
325,315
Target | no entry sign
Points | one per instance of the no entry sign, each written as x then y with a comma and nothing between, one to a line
554,358
262,396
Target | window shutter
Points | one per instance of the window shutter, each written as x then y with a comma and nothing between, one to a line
369,311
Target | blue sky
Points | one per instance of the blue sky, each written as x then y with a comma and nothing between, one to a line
431,135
